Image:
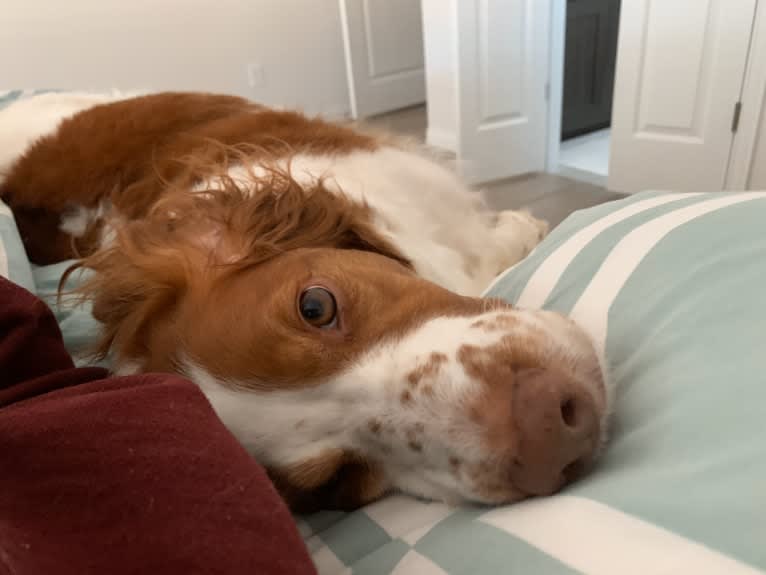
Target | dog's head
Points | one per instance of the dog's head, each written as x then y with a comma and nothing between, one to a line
344,372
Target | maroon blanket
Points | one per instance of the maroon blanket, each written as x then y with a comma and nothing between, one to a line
122,475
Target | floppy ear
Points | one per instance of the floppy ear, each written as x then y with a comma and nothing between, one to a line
143,274
333,480
362,236
234,223
272,211
152,261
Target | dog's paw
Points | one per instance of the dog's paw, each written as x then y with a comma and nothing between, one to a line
517,233
522,223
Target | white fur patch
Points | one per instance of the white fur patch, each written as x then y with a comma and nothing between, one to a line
421,207
78,219
282,428
129,367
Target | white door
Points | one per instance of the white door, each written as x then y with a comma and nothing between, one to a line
503,48
680,67
383,41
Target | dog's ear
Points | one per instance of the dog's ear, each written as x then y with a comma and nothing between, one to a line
151,262
278,214
143,273
361,235
336,479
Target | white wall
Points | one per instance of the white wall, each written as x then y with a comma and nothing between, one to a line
758,166
181,45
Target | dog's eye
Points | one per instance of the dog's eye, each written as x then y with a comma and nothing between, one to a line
318,307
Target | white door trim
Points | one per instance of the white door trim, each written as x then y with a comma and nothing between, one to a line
753,100
347,58
440,49
556,83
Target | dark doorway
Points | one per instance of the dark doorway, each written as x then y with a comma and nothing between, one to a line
589,62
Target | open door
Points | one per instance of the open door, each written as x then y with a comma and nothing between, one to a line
502,52
677,89
590,51
383,41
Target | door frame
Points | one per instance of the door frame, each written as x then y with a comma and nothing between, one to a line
753,98
555,91
555,95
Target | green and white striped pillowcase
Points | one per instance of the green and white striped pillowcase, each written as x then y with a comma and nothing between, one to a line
671,285
14,264
8,97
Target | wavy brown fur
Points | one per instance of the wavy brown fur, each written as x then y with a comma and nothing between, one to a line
122,151
188,235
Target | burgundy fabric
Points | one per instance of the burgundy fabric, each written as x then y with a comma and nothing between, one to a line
123,475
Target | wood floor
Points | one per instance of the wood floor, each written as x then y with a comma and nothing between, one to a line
548,196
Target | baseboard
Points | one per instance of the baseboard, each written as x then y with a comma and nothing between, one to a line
441,139
582,175
336,114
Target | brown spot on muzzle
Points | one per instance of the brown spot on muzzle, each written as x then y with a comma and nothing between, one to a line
415,445
496,364
374,426
427,369
413,441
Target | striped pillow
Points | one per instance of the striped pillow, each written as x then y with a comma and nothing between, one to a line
671,285
14,264
8,97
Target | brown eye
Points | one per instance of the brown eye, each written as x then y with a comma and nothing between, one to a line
318,307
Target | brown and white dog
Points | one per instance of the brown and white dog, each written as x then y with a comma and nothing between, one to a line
319,283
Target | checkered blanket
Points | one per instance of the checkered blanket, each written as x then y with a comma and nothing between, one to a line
13,259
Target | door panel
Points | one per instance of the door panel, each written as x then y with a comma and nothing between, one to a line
676,90
502,70
384,54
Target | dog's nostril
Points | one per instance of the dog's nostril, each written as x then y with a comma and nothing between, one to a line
569,412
